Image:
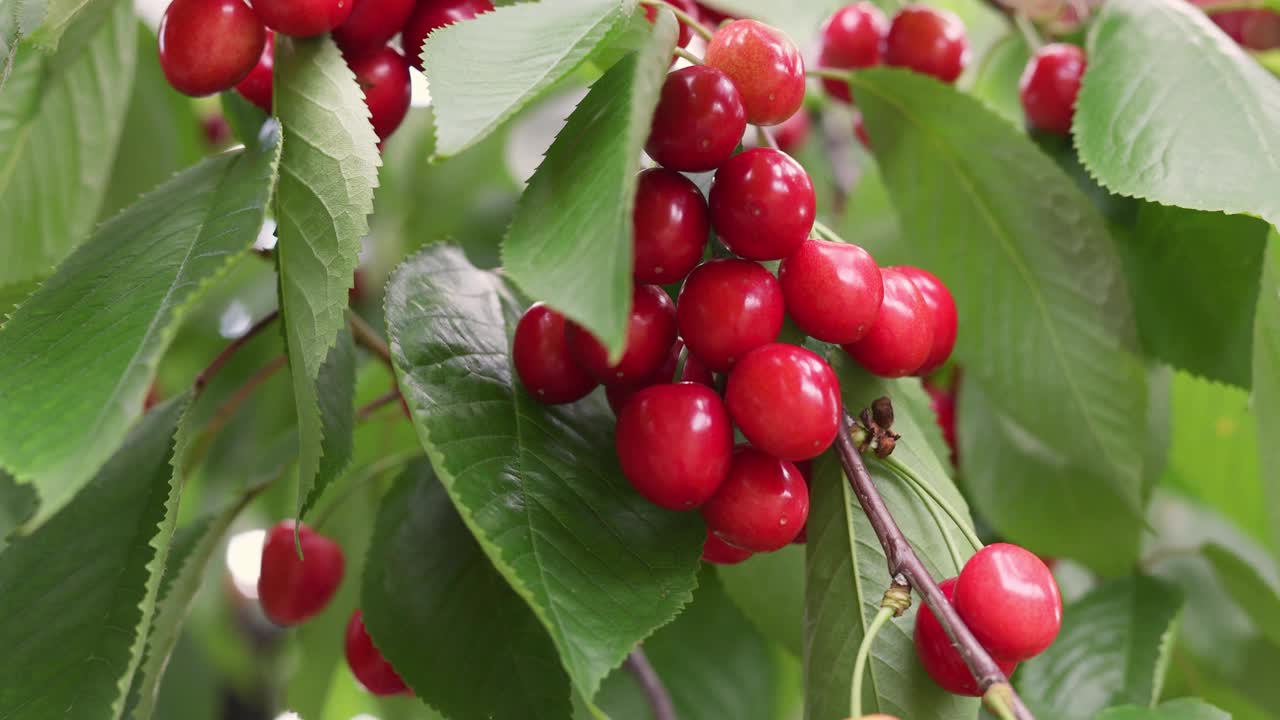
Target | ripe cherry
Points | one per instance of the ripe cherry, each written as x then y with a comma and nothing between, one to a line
851,38
207,46
764,64
715,550
762,504
942,315
1255,29
943,403
762,204
670,226
292,589
860,131
693,371
1009,599
833,290
651,331
688,7
929,41
367,663
785,400
542,359
432,14
371,24
698,122
728,308
901,338
1049,86
256,86
303,18
940,657
675,443
383,75
792,133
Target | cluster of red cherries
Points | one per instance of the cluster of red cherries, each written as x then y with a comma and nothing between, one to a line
210,46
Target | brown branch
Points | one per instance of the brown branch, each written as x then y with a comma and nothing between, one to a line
368,338
206,375
223,414
378,402
654,690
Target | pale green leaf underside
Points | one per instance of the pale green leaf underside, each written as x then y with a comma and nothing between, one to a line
769,589
58,17
1266,382
1180,709
1255,587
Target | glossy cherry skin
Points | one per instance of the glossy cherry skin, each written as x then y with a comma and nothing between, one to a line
728,308
715,550
1009,599
940,658
942,315
371,24
256,86
303,18
693,371
851,38
901,338
670,226
651,331
833,290
542,359
675,444
764,64
762,204
785,400
367,663
293,589
943,403
929,41
432,14
689,7
792,133
383,75
207,46
761,506
698,122
1049,86
860,131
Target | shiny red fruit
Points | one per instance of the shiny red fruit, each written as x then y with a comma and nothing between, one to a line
860,131
675,443
698,122
715,550
207,46
942,314
943,404
939,656
651,331
1049,86
833,290
785,400
792,133
1255,29
929,41
371,24
851,38
670,227
688,7
762,204
693,371
728,308
901,338
256,86
764,64
292,589
761,506
367,663
383,76
432,14
543,361
303,18
1009,599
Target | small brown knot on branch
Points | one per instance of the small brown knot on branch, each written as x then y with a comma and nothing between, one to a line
872,432
897,597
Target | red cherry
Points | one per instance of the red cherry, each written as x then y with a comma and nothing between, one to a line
833,290
1009,599
303,18
371,24
943,404
860,131
367,663
715,550
1049,86
785,400
929,41
762,204
256,86
942,314
939,656
542,359
675,443
383,75
792,133
292,589
728,308
764,64
694,371
761,505
901,338
432,14
688,7
1255,29
698,122
806,471
713,17
651,331
217,131
851,38
207,46
670,226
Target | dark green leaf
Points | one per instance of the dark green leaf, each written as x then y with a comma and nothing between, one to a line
1266,383
1181,709
244,117
335,389
769,590
17,502
1254,586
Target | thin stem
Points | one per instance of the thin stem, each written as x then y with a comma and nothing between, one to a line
693,23
826,232
827,73
694,59
228,409
909,475
1028,30
206,375
938,520
864,652
366,337
766,137
378,402
654,690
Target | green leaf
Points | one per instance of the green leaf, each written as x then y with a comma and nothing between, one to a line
846,572
769,590
570,241
485,70
244,117
1254,586
427,577
327,175
1199,129
59,18
335,390
103,320
997,76
60,120
1266,382
1181,709
1111,650
539,486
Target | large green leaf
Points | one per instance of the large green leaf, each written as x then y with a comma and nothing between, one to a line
102,321
1198,129
570,241
1254,586
1181,709
539,486
997,75
769,590
1112,649
59,17
1266,382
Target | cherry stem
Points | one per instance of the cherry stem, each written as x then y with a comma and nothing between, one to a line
826,232
766,137
206,375
1028,29
366,337
228,409
864,651
909,476
656,693
827,73
956,558
381,401
903,561
690,21
681,52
